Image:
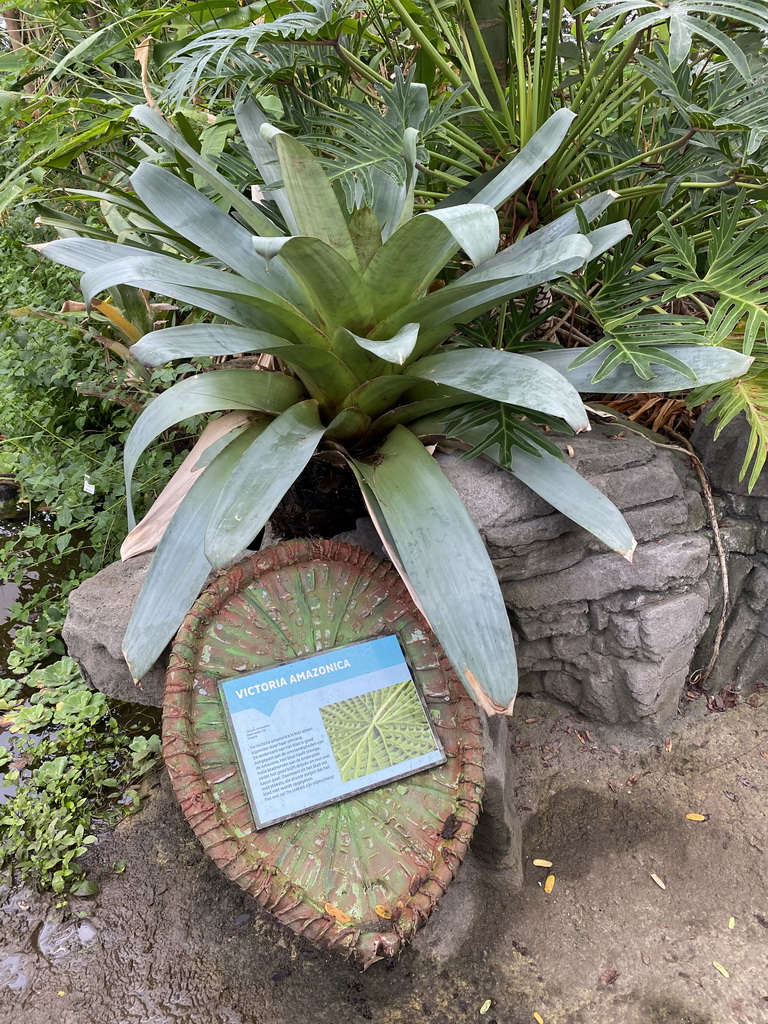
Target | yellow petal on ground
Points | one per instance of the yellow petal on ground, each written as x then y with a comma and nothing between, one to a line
538,863
696,817
549,885
731,922
486,1006
658,882
720,968
336,913
538,1018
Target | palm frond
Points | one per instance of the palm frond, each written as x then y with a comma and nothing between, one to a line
231,55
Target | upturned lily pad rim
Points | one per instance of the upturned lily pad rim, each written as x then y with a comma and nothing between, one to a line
233,852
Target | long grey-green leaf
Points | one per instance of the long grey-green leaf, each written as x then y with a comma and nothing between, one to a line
542,145
187,212
261,478
195,341
568,224
710,363
179,567
250,119
505,377
225,294
557,482
481,289
313,201
251,214
448,567
208,392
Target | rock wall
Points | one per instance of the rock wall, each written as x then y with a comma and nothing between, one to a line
614,640
742,663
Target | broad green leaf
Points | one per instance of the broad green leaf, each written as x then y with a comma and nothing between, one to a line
378,730
250,213
481,289
520,169
366,235
447,566
195,341
261,478
179,567
313,201
250,120
376,396
351,423
505,377
187,212
334,286
708,362
567,224
208,392
413,256
392,350
219,292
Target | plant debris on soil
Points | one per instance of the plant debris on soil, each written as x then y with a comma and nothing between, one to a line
168,940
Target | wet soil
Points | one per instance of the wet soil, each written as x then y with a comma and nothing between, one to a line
169,941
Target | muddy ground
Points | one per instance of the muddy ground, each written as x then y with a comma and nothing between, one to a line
169,941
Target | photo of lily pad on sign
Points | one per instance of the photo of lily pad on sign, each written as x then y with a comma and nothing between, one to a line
377,730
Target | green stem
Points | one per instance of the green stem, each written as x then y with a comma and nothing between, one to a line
493,78
610,171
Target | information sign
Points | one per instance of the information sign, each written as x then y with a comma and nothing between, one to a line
314,731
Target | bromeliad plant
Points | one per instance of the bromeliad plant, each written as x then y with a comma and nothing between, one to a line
358,311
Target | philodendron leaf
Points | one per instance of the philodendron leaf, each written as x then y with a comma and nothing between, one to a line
505,377
261,478
208,392
447,566
710,363
179,567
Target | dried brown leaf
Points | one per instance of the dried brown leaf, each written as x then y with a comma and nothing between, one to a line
608,976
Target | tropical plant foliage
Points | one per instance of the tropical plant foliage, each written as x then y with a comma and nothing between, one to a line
358,308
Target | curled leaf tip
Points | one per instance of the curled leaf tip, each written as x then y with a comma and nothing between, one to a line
482,699
629,554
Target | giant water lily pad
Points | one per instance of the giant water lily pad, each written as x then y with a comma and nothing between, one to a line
361,875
